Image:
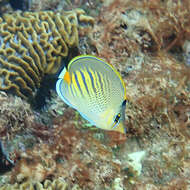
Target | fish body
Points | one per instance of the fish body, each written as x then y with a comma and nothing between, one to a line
96,90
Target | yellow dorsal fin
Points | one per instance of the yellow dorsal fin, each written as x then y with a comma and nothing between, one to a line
67,77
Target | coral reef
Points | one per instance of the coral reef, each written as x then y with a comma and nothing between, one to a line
15,116
56,184
34,44
63,153
5,163
146,41
186,49
5,7
44,5
90,6
142,26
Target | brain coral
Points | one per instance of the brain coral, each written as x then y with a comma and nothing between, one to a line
57,184
33,44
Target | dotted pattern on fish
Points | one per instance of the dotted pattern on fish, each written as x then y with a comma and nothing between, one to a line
33,44
96,90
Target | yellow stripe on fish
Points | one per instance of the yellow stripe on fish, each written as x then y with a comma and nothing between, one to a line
89,82
96,90
82,83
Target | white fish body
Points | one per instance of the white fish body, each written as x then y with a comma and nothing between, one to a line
96,90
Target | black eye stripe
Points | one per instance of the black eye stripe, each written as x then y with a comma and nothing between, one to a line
117,117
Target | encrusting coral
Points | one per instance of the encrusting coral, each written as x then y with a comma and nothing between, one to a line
61,152
56,184
15,116
44,5
33,44
130,27
140,38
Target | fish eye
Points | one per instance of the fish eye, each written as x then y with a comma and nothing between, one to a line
117,118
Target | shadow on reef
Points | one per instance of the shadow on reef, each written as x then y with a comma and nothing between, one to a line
20,4
48,83
44,92
5,163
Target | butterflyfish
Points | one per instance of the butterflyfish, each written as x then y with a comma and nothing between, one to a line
96,90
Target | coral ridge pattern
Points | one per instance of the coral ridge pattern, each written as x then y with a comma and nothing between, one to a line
33,44
57,184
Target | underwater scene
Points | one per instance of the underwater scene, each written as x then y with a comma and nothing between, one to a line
94,95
